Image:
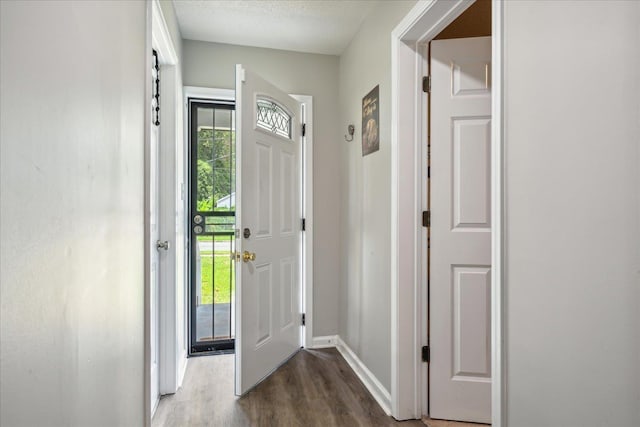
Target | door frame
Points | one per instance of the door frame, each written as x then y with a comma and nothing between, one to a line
409,127
221,345
307,188
172,361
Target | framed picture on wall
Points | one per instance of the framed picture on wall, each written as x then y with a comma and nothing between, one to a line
370,122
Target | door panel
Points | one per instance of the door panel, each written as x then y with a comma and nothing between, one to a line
287,291
269,209
460,251
471,172
263,303
287,188
471,314
264,185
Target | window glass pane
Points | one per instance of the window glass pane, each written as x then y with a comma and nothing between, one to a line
215,288
274,118
224,161
219,224
204,161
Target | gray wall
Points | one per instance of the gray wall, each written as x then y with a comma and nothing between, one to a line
71,209
573,214
365,206
213,65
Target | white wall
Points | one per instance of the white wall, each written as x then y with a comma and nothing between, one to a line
213,65
365,206
573,214
72,78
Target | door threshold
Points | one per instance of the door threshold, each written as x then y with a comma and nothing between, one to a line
212,353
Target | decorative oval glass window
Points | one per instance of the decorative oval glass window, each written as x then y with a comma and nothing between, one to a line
272,117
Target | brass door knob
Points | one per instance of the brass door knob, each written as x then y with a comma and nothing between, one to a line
248,256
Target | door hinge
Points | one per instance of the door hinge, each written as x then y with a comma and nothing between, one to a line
425,353
304,129
426,84
426,218
304,321
304,224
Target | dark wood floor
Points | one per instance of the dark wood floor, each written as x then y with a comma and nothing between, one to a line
314,388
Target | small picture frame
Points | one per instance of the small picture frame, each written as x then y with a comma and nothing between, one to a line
371,122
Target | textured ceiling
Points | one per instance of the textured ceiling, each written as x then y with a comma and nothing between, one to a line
315,26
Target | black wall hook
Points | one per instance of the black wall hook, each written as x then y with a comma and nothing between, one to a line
351,129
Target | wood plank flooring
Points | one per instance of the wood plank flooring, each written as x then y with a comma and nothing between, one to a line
314,388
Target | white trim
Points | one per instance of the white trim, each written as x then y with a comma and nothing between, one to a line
408,130
172,357
148,407
326,341
182,369
498,219
208,93
239,79
161,38
172,284
307,212
375,387
168,363
422,307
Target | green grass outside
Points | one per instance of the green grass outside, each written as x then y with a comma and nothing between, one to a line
216,238
216,264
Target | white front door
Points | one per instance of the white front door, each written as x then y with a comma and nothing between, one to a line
460,279
268,216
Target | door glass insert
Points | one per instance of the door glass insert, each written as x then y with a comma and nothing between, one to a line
272,117
212,226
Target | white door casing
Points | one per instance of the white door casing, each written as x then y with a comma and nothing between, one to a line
268,203
154,236
460,283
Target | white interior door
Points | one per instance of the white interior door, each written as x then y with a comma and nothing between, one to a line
154,236
268,215
460,281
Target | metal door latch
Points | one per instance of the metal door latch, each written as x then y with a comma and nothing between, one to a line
162,244
248,256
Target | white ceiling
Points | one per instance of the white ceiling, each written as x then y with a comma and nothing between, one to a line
316,26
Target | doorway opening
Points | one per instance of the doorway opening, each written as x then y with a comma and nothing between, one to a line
212,142
216,232
459,236
416,210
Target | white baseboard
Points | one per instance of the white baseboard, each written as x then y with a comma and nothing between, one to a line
326,341
182,369
377,390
